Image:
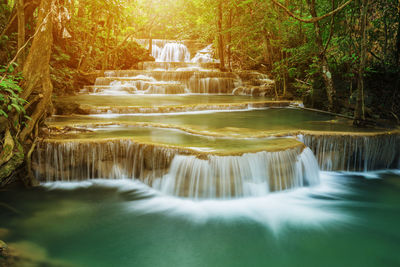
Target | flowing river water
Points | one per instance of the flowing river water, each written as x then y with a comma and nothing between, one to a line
171,166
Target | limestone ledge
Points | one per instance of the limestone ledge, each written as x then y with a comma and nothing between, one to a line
282,145
113,158
88,109
231,132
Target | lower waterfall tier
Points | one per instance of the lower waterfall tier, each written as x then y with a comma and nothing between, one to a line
252,174
354,152
178,171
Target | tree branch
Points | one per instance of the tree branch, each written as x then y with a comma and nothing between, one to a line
331,28
375,56
312,20
23,47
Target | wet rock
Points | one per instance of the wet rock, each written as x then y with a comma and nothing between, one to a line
62,108
4,232
27,254
266,90
3,249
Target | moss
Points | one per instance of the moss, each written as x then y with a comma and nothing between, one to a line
7,171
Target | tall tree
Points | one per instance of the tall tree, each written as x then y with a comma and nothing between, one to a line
221,45
359,114
21,30
326,71
37,91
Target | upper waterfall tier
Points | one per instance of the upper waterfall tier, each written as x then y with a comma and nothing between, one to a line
168,75
185,80
174,52
167,51
171,50
178,66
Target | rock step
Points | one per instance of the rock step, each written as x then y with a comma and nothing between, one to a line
180,66
82,108
170,75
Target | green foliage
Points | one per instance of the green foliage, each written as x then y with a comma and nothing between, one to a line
10,101
100,31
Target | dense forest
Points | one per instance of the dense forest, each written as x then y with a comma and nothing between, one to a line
340,56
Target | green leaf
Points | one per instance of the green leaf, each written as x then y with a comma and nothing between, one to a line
17,108
2,113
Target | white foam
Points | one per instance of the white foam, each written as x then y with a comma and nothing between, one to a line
303,207
276,210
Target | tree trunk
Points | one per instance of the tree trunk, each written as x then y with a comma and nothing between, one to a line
220,37
283,73
326,72
359,114
36,87
36,70
21,31
151,45
397,56
230,39
107,43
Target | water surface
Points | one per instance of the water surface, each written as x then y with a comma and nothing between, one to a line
272,120
349,220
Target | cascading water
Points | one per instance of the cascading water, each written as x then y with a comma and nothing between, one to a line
349,152
174,52
176,171
188,172
167,82
204,56
211,85
167,50
252,174
156,51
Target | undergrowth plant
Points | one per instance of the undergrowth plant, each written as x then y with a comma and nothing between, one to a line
10,101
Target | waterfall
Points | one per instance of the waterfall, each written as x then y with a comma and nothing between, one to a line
251,174
178,66
204,56
174,52
352,152
156,51
80,160
166,82
211,85
167,50
176,171
187,172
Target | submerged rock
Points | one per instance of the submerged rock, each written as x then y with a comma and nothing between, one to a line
3,250
4,232
27,254
266,90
